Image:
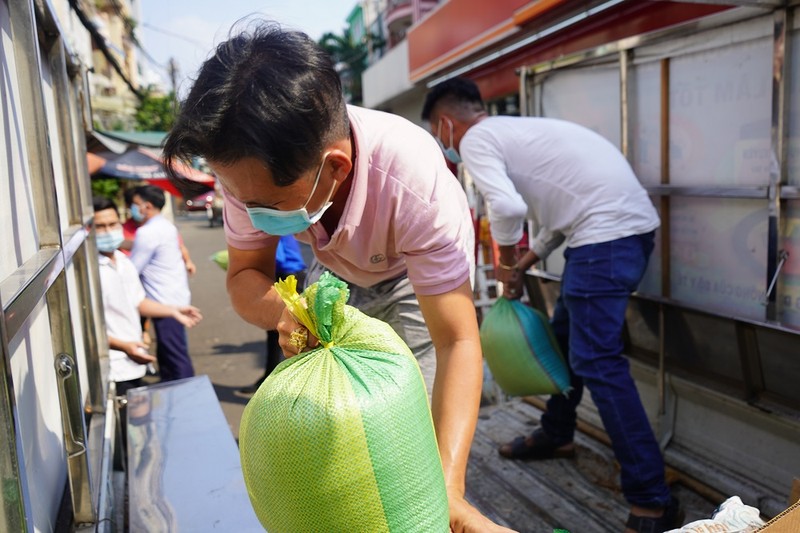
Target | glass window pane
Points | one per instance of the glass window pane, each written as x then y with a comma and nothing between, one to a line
76,325
718,251
720,109
645,108
39,416
564,96
789,295
651,282
794,112
57,141
17,221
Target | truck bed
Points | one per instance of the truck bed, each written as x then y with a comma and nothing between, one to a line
581,495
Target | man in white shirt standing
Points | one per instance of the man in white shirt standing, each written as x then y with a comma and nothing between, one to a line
157,257
580,189
124,301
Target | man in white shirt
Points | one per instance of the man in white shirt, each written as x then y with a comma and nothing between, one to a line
157,257
124,302
582,191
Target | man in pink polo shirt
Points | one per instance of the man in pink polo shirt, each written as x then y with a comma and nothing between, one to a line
372,195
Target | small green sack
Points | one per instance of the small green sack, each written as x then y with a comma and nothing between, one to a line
220,258
341,438
521,350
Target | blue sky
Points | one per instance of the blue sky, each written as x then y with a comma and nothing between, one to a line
188,29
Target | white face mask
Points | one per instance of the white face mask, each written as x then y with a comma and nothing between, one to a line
277,222
450,152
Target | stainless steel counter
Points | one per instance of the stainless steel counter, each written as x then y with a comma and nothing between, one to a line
184,472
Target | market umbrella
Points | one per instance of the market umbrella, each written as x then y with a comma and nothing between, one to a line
140,163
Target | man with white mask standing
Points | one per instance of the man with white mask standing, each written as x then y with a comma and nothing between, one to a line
124,303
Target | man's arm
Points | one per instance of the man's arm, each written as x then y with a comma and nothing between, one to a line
188,315
511,270
453,326
251,274
136,350
143,249
191,268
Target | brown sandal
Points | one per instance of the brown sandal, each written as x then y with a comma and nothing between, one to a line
537,447
671,519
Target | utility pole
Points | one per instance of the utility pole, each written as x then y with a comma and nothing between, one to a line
172,68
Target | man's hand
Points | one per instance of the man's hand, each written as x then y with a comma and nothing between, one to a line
137,351
293,337
188,315
464,518
191,268
512,280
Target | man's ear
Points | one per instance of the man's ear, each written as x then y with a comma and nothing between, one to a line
342,164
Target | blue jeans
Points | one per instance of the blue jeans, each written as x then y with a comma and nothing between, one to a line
588,321
172,350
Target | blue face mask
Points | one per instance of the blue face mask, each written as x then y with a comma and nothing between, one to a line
109,241
452,155
136,214
277,222
450,152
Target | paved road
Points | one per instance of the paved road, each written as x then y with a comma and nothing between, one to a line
223,346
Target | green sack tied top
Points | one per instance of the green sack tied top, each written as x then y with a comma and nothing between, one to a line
340,438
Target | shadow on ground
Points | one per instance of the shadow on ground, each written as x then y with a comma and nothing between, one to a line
255,347
226,393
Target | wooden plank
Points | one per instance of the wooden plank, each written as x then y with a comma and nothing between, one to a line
795,494
580,495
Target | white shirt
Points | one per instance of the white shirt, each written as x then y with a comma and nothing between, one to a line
571,180
122,294
157,256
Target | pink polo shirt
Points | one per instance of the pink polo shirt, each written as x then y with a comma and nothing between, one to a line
406,212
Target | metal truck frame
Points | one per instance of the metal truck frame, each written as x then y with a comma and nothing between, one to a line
708,114
55,417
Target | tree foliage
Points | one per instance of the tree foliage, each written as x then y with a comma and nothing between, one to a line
156,112
108,187
350,59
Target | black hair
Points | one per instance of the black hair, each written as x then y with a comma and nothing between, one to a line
152,194
128,196
101,203
455,91
266,93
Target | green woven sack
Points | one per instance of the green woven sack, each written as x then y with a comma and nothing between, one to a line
521,350
220,258
340,438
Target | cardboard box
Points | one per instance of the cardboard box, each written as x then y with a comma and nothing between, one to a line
786,522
